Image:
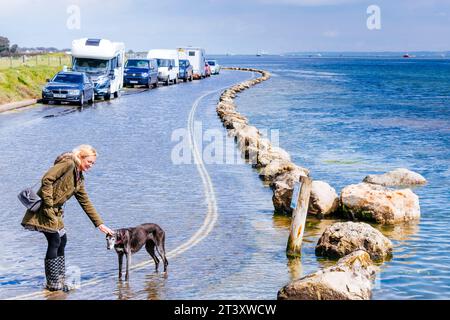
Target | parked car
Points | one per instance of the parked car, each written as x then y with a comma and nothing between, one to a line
141,72
215,67
69,86
207,70
168,64
186,70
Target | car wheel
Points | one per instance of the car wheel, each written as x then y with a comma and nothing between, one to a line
175,81
117,94
44,101
167,81
91,101
148,84
107,96
156,84
81,102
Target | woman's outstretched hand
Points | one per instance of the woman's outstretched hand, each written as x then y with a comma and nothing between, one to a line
105,229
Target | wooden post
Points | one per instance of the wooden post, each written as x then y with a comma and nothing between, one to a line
300,207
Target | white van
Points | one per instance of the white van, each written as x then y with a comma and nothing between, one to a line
196,57
168,64
103,61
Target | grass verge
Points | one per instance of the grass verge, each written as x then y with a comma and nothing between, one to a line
24,82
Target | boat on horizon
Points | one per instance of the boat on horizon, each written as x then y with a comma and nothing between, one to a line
260,53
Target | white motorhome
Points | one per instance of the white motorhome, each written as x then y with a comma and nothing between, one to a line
196,57
103,61
168,64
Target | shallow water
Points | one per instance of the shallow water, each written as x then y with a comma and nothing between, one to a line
346,118
341,118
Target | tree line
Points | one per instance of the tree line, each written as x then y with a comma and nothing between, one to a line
5,49
14,50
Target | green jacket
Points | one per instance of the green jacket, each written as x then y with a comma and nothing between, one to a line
59,184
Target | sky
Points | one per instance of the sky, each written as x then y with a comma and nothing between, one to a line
233,26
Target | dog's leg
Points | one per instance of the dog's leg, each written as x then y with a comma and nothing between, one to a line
162,252
128,265
150,247
120,255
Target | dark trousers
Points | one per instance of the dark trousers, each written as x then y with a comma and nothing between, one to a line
56,245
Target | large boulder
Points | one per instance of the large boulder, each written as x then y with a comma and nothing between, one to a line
342,238
283,186
324,200
350,279
397,177
268,154
376,203
275,168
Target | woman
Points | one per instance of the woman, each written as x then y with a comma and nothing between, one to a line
59,184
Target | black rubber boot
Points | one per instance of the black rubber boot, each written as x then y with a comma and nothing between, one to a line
62,274
53,274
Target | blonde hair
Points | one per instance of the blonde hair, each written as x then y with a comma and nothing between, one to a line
83,151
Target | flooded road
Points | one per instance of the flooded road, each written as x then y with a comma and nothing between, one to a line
219,243
223,241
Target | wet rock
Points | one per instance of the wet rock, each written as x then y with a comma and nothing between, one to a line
321,203
230,120
283,186
247,136
342,238
275,168
376,203
226,99
324,200
350,279
397,177
266,155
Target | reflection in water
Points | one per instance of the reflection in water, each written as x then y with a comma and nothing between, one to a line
281,222
155,286
124,291
57,295
315,227
401,232
295,268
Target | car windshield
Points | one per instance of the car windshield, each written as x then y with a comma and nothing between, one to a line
90,65
212,63
183,63
137,64
68,78
163,62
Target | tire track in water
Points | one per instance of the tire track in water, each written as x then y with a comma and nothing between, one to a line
208,223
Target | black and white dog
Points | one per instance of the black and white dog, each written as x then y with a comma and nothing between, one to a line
130,240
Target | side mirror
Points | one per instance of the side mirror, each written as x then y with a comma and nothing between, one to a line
47,80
